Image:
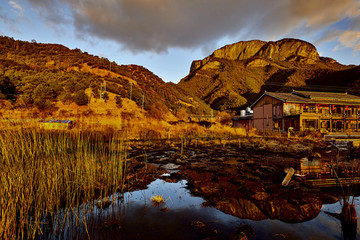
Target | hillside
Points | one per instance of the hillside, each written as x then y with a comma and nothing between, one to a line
44,75
237,74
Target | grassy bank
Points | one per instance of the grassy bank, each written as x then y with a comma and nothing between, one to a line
44,171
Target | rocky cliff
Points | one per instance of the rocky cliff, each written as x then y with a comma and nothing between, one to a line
235,75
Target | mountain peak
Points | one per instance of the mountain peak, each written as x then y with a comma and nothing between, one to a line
281,50
237,73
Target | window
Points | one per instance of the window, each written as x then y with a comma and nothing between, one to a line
310,124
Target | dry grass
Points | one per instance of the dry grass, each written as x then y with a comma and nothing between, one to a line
45,171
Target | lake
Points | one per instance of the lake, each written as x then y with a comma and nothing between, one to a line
133,215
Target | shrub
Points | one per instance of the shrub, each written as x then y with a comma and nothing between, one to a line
66,98
119,102
43,104
105,96
224,118
157,110
80,98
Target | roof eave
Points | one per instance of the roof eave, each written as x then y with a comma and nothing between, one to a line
266,93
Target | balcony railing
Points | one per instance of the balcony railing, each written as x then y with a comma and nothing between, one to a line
319,113
350,115
309,110
292,112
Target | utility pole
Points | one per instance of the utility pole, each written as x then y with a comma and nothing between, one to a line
89,95
100,91
130,90
143,101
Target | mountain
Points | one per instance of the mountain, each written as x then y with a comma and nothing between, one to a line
40,75
237,74
43,75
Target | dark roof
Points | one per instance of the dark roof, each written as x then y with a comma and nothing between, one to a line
55,121
314,97
246,117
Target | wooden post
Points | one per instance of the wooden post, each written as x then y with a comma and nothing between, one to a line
169,136
182,147
288,177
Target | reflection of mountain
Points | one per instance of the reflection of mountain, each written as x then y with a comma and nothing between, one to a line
249,187
291,208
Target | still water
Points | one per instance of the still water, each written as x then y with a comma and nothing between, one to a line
183,216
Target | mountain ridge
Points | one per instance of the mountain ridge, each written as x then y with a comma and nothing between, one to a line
232,77
235,75
38,68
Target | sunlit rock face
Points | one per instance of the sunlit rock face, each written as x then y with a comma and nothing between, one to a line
278,51
283,50
289,49
240,51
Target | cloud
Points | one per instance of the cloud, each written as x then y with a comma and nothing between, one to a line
157,25
54,12
350,39
16,7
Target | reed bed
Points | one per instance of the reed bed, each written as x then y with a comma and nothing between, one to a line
44,172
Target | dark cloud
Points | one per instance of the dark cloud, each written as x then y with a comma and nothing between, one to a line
156,25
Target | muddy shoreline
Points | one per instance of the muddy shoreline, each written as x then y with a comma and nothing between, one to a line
240,180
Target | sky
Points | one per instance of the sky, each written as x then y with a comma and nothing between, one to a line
165,36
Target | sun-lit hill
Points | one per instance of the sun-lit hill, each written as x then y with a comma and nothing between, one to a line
237,74
45,75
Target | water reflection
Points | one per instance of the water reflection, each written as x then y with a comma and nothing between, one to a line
317,168
133,216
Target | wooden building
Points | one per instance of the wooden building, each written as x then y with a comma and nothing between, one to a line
303,110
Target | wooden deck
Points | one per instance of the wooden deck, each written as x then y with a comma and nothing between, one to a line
332,182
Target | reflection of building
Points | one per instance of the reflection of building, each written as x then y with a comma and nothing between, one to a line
313,168
324,111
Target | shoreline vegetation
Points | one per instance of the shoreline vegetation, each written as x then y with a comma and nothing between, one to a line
45,171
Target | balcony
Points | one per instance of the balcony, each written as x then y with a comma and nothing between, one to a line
351,115
292,112
325,115
309,110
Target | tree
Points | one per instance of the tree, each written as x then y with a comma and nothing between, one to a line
157,110
80,98
105,96
224,118
96,93
66,98
43,104
7,88
118,100
44,92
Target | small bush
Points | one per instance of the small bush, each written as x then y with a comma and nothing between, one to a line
224,118
157,110
43,104
80,98
119,102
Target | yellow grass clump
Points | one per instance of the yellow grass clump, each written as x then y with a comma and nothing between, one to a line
157,199
45,171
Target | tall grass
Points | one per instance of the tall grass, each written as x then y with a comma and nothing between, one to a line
45,171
